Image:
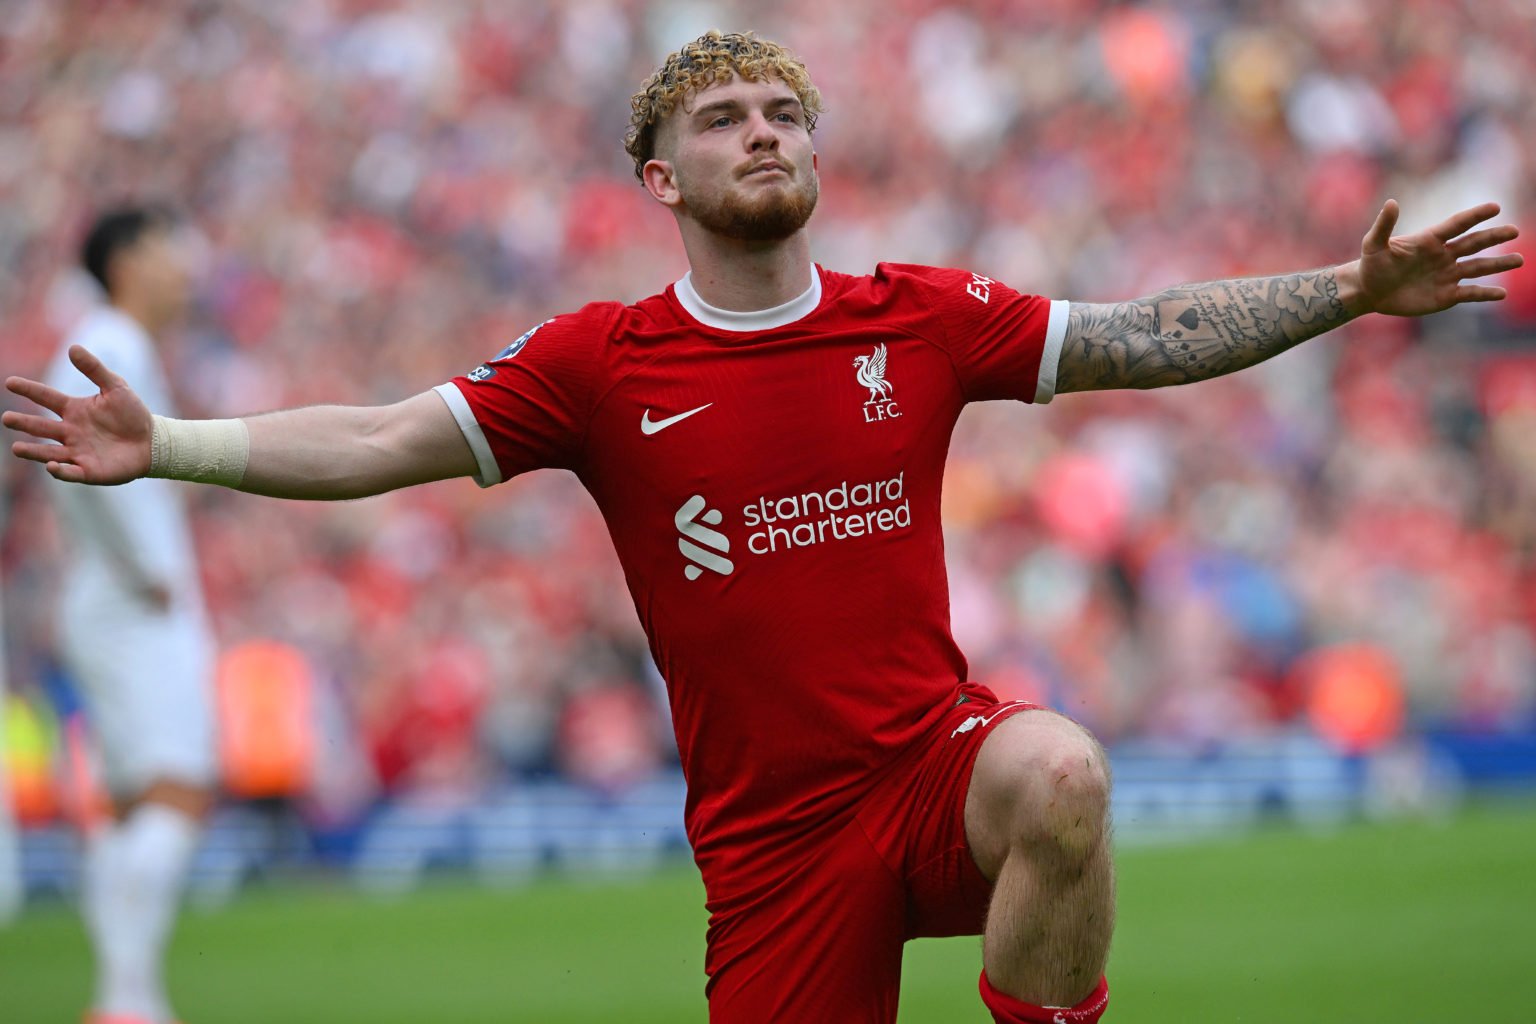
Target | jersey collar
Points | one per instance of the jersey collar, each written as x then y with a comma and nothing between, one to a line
800,306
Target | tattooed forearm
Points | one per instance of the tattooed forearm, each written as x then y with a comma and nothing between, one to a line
1194,332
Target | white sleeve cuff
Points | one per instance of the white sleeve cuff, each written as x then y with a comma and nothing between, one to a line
488,473
1050,356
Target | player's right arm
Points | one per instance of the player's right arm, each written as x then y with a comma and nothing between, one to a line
318,453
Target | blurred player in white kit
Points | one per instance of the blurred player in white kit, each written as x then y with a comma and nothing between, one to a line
133,632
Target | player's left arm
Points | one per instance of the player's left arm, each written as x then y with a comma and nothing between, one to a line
1194,332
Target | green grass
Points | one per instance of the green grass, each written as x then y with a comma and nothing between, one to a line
1392,923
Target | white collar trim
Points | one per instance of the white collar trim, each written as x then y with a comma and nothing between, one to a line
758,320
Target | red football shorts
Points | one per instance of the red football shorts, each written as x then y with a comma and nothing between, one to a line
822,941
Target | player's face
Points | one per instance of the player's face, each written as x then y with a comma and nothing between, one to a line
157,263
742,161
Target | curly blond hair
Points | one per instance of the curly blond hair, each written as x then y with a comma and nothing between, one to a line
713,57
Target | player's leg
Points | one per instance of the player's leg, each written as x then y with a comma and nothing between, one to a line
151,711
822,942
135,871
1037,821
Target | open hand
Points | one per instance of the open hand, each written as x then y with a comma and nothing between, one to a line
101,439
1414,275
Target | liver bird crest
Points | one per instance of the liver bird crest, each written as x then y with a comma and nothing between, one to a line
871,374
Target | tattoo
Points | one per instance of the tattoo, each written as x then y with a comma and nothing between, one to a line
1194,332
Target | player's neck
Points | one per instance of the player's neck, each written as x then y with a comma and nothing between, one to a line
743,277
143,313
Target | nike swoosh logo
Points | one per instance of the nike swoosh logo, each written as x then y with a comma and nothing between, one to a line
984,720
649,426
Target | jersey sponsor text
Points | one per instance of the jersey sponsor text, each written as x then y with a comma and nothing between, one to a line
842,512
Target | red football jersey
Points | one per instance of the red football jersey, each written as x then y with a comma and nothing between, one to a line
771,483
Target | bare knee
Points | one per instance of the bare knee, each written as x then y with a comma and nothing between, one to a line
194,800
1041,784
1072,808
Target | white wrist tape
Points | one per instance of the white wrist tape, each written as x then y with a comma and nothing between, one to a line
202,451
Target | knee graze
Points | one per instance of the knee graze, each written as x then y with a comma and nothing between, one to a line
1061,786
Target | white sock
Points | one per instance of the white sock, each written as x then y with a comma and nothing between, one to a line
100,852
134,875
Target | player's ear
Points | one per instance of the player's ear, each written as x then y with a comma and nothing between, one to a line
661,182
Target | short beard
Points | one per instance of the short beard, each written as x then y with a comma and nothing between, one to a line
773,217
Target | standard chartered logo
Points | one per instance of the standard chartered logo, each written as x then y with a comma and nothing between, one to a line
845,511
711,555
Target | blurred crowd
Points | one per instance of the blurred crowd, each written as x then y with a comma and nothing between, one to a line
383,193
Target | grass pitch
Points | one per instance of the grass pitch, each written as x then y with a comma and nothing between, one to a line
1401,922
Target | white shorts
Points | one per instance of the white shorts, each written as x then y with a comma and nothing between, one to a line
147,681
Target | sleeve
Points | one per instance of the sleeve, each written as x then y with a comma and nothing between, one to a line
1003,344
528,407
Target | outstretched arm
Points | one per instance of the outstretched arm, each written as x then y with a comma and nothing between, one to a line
321,452
1193,332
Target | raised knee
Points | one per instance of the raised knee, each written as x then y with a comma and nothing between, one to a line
1062,786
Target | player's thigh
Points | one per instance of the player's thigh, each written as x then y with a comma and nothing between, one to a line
149,699
823,945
